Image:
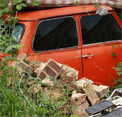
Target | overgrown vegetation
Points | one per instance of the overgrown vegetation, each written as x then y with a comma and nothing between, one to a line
14,100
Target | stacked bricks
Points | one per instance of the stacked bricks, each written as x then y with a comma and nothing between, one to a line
52,69
85,85
22,64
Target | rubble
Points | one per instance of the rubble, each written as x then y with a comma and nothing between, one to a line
87,87
101,90
79,111
79,98
58,80
48,82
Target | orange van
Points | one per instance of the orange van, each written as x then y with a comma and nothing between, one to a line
75,36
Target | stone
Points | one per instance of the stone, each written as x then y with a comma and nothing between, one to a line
25,67
39,69
54,65
37,88
35,64
68,69
50,72
48,82
70,77
57,94
23,57
85,84
46,91
79,111
77,87
69,86
42,75
101,90
79,97
64,110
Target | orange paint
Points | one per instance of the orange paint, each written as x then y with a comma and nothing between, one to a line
97,68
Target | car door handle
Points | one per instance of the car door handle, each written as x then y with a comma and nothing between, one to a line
86,56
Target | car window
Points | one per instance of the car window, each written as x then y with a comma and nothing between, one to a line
17,31
96,28
56,34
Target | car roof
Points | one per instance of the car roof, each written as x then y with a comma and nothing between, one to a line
56,12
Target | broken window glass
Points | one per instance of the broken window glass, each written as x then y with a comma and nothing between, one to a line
16,32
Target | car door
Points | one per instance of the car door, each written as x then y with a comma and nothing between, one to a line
57,38
102,47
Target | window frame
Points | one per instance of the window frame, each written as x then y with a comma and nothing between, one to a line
98,42
59,48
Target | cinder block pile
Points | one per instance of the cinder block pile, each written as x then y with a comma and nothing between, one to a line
84,94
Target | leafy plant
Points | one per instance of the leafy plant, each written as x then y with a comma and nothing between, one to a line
118,69
118,81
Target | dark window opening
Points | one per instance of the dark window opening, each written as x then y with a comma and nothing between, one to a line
56,34
97,29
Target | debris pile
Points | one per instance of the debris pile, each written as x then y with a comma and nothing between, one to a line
53,78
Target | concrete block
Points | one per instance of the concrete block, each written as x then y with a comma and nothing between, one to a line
70,77
79,98
89,90
42,75
68,69
50,72
101,90
25,67
54,65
